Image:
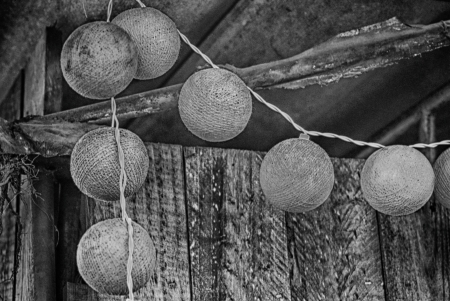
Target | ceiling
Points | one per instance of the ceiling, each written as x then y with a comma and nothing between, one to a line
248,32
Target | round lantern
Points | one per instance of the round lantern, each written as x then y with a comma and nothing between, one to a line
397,180
156,38
297,175
442,173
95,167
215,105
99,60
102,256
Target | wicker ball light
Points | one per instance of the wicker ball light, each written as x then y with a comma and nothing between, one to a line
442,172
215,105
102,256
156,38
99,60
397,180
95,168
297,175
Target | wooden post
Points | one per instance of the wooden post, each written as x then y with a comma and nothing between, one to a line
36,280
69,235
36,277
427,133
10,109
43,236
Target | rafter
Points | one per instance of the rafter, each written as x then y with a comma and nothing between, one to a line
347,55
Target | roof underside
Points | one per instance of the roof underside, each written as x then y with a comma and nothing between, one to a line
244,33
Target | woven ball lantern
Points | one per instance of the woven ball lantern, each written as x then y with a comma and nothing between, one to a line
215,105
156,38
95,167
99,60
297,175
442,172
397,180
102,256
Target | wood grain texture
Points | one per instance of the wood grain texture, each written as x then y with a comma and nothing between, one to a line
256,32
25,280
420,271
43,236
238,243
159,207
7,247
34,79
415,247
79,292
69,234
21,26
10,108
334,250
53,73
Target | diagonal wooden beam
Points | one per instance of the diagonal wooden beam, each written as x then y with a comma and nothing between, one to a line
422,110
347,55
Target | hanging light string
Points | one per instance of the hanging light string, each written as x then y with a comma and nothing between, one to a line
109,11
289,119
122,185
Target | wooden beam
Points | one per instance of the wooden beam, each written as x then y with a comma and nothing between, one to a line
393,131
347,55
22,24
34,79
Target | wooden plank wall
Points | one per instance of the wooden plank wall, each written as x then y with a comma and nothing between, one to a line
238,242
159,207
334,249
218,239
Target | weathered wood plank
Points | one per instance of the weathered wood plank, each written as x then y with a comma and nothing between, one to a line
422,237
412,250
69,235
237,241
21,26
10,108
36,275
53,73
43,235
334,249
25,279
347,55
34,79
256,32
159,207
415,247
79,292
7,244
354,51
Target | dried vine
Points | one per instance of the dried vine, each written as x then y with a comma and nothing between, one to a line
15,171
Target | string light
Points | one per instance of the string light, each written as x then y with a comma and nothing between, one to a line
290,120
